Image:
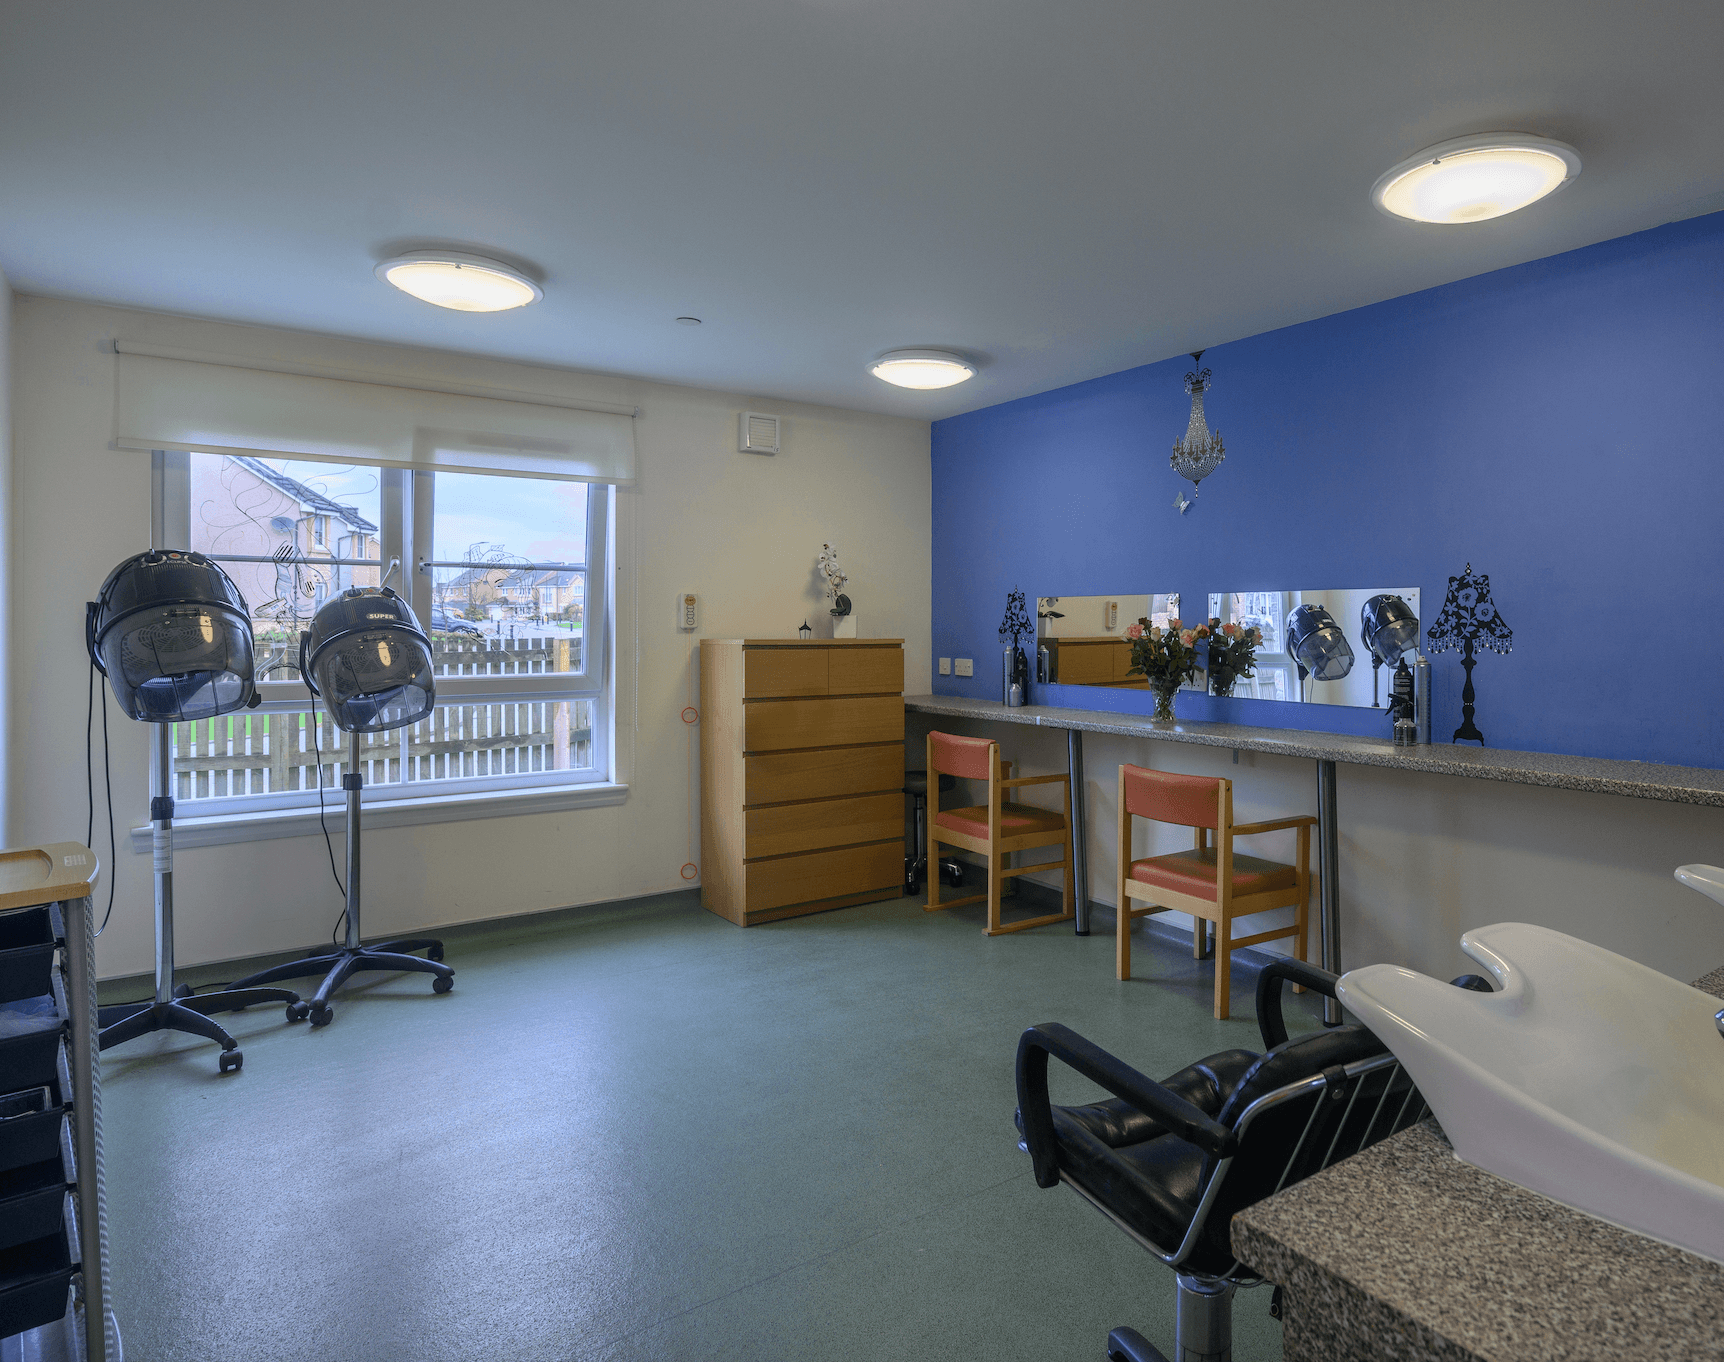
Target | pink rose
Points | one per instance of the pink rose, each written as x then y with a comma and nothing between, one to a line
1134,631
1173,623
1155,631
1202,631
1230,630
1187,637
1257,636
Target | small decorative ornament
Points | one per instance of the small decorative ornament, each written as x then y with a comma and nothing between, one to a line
1469,618
1199,453
804,631
836,578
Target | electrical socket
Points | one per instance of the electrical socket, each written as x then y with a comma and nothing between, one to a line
945,666
964,666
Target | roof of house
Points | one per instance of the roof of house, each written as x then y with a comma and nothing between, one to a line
314,501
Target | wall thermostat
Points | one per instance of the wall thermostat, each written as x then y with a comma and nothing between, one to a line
687,611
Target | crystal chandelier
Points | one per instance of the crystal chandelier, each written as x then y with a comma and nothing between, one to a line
1200,453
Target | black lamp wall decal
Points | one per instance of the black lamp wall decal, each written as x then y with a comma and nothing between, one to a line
367,657
1469,618
172,633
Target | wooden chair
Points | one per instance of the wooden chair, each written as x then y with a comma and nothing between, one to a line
995,829
1211,882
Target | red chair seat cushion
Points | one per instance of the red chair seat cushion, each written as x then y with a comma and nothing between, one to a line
1016,820
1193,873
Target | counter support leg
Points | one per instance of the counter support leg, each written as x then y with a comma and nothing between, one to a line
1080,832
1329,873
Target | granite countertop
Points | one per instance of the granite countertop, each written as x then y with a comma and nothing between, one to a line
1597,775
1404,1252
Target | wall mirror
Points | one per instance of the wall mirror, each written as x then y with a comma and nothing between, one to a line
1346,671
1080,640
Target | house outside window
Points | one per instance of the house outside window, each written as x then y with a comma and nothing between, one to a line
519,658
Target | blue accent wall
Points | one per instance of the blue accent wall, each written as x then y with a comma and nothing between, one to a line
1558,424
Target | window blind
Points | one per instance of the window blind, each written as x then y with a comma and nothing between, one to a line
164,401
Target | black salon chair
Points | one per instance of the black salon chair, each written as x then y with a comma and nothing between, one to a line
1170,1163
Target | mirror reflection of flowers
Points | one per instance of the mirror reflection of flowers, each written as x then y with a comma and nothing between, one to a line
835,577
1232,654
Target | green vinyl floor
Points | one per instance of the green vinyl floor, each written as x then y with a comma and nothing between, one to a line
639,1132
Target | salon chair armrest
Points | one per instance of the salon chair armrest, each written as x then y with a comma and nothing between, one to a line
1285,968
1180,1117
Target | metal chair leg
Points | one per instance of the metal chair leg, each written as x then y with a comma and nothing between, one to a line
1203,1321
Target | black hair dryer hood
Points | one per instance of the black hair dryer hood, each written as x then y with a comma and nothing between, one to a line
366,655
172,634
1317,643
1388,627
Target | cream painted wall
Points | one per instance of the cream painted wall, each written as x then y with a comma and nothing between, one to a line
1425,858
741,529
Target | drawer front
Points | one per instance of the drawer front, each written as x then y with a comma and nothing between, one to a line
823,875
786,828
783,671
777,778
773,725
866,671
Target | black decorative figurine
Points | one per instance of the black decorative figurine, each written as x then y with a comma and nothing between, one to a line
1469,617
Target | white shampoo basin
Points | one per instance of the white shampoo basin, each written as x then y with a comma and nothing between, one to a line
1588,1078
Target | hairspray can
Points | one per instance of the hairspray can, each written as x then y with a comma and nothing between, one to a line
1008,665
1422,699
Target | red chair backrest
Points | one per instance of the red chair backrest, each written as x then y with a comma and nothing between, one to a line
966,757
1194,801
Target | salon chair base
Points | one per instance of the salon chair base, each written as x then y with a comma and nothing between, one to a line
1202,1331
338,965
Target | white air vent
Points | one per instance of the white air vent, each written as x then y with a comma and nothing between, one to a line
759,434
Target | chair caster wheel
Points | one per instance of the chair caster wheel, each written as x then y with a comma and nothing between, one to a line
232,1060
298,1012
434,952
442,984
320,1015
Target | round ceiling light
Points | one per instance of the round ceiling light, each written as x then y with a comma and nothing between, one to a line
1474,179
464,283
922,368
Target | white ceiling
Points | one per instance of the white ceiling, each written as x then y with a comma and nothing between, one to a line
1062,188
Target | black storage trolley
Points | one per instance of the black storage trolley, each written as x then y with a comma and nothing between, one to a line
53,1233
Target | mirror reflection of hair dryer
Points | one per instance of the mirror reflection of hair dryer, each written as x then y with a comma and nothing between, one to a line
1389,630
1318,645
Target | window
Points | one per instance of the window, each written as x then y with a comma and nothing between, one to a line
506,573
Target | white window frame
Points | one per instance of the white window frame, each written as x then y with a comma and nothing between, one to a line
407,499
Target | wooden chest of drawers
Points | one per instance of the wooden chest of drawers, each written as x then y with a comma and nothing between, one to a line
801,775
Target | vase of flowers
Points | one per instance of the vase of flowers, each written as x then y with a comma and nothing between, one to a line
1232,654
1166,658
